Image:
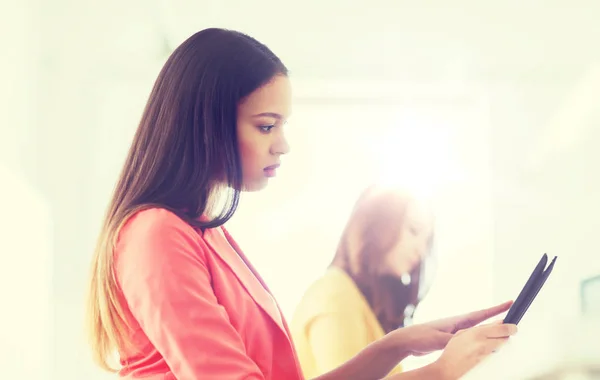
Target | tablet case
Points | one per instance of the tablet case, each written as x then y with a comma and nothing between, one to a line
530,290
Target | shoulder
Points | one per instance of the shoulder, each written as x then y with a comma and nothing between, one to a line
156,234
156,226
334,292
153,222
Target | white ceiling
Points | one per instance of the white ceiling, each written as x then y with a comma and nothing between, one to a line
552,43
402,39
534,52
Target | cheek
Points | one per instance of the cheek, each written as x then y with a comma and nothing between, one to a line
252,181
401,254
246,141
248,154
401,244
394,264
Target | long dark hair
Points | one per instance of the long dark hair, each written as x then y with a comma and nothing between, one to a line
374,228
184,152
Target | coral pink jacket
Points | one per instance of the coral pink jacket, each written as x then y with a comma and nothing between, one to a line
197,308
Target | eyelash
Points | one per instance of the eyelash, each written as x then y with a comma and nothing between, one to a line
266,128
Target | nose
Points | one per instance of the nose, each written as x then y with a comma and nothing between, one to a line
281,146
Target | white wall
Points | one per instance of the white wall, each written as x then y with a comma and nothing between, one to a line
25,280
18,36
551,207
26,224
83,48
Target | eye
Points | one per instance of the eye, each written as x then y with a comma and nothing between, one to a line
266,128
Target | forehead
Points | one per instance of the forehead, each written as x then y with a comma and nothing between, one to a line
273,97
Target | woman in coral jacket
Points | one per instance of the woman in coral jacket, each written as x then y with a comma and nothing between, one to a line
171,293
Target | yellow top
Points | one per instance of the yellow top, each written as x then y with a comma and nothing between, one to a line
332,323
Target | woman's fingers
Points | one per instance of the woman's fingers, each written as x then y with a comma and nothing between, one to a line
476,317
471,345
462,322
495,330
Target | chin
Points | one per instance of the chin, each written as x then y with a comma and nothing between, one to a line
256,185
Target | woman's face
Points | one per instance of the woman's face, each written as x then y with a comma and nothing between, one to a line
261,141
413,241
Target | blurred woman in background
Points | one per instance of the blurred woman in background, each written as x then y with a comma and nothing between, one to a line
375,282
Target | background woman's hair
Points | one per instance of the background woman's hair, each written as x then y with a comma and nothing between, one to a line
374,227
183,157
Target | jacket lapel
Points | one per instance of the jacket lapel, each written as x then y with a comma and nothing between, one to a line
227,249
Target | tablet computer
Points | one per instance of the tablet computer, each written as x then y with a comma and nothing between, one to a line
530,290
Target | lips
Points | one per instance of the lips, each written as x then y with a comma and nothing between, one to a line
270,171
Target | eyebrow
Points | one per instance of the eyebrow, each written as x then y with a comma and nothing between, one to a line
269,114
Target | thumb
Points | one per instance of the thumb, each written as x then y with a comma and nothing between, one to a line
492,323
